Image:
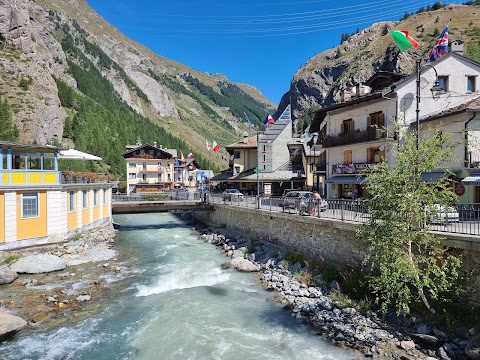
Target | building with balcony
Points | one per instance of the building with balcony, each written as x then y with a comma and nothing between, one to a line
263,162
358,133
152,169
38,205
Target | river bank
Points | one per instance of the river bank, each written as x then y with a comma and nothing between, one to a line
52,284
395,338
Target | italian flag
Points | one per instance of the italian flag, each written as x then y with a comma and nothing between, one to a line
215,146
403,40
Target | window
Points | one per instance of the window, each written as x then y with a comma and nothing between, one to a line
144,166
237,169
95,197
144,177
151,152
347,157
443,81
48,161
264,148
18,160
71,200
34,161
3,159
347,127
376,119
376,154
471,88
132,175
132,165
29,205
84,199
236,154
142,152
104,196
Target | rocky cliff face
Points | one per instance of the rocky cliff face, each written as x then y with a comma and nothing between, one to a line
27,65
32,56
320,80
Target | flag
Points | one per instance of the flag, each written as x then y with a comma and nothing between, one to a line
403,40
249,123
215,146
190,155
181,156
268,120
208,146
441,46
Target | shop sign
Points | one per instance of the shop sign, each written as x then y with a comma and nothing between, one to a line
351,168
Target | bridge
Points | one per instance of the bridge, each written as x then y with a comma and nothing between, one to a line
171,201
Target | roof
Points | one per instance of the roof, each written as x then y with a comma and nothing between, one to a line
274,130
245,143
164,152
471,106
19,145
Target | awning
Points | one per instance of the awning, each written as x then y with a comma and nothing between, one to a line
346,180
435,175
473,179
72,154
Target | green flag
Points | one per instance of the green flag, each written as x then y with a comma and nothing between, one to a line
403,40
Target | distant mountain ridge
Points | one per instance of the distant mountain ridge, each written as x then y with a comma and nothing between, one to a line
62,65
319,82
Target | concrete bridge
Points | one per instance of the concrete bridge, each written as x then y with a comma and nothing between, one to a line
165,202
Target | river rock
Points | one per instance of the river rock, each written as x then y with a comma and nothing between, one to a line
37,264
241,264
7,275
10,325
472,350
83,298
428,339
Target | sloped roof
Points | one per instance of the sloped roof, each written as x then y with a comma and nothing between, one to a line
19,145
167,155
278,126
245,143
473,105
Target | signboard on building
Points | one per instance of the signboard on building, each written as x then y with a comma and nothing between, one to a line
351,168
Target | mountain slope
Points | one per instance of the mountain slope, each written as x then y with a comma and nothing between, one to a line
62,64
319,81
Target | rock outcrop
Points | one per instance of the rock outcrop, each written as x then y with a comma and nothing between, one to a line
10,325
39,263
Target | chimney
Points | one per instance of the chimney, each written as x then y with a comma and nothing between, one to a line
358,90
456,46
155,143
245,136
342,95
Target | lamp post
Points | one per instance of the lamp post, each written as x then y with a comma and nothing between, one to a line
435,88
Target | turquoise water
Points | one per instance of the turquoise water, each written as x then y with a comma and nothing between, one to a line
175,302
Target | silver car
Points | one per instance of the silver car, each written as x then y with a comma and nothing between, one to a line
304,202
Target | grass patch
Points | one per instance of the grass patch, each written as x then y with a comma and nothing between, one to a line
9,260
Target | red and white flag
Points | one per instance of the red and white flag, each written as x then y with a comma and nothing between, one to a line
215,146
208,146
190,155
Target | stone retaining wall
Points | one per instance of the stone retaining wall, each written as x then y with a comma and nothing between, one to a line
333,240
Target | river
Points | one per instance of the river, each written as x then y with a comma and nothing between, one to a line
175,302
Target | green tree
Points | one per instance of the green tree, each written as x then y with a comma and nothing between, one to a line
8,131
407,263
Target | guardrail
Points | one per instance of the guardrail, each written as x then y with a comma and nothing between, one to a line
161,196
465,218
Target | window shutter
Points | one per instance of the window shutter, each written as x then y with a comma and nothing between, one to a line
369,121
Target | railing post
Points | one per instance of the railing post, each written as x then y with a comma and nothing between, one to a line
342,217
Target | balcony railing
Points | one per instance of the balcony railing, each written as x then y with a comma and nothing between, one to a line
84,178
370,134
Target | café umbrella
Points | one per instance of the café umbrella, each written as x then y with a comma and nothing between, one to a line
72,154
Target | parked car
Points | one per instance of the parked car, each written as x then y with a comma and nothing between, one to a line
304,202
443,214
232,194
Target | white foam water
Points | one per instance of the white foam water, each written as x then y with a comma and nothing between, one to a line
175,302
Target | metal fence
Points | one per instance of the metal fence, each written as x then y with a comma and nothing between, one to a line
466,220
160,196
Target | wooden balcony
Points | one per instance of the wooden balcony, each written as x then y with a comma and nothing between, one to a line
357,136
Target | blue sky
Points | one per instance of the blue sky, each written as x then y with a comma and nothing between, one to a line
257,42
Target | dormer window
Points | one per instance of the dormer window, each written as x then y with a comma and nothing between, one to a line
443,81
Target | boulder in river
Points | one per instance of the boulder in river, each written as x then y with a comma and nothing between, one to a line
39,263
7,275
10,325
241,264
472,350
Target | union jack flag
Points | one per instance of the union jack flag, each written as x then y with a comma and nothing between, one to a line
441,46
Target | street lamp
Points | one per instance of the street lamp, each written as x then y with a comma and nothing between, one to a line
435,88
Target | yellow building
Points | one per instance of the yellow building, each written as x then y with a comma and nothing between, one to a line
38,204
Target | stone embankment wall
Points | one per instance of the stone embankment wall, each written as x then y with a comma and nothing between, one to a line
329,239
